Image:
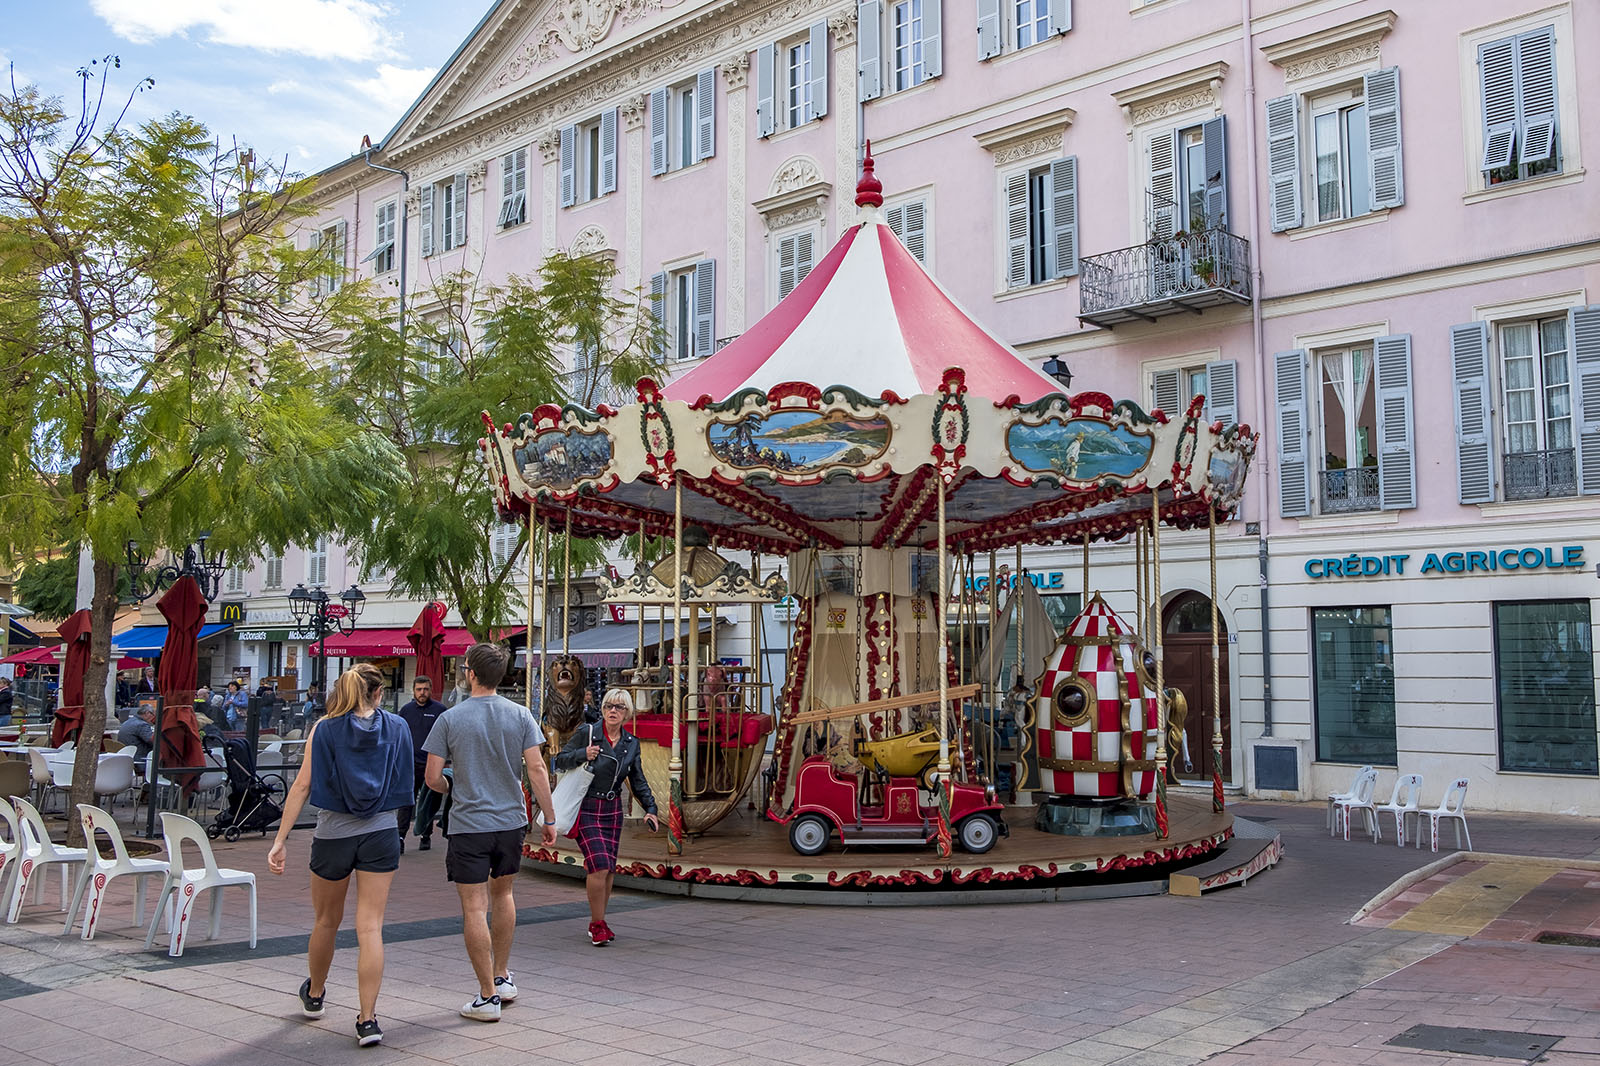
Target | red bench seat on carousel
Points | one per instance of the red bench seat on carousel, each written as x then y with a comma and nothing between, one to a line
740,730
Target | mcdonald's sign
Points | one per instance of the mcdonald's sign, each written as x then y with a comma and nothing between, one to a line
232,611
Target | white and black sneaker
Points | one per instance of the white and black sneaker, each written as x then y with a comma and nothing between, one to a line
506,987
310,1006
368,1033
482,1010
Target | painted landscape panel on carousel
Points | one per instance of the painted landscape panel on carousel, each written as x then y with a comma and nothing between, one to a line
798,441
562,459
1082,449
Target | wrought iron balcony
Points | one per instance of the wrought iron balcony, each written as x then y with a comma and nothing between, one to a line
1539,475
1351,489
1188,272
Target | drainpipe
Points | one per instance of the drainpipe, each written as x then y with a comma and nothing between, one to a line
405,185
1259,344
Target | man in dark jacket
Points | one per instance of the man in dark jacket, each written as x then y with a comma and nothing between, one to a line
6,696
420,715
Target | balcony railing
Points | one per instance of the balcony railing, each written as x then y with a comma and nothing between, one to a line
1351,489
1538,475
1189,272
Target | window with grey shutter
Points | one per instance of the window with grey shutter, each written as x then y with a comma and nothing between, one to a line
1222,391
705,307
869,50
989,35
1536,95
1497,83
1583,326
1469,367
1294,467
514,188
1017,230
1214,147
425,220
458,212
1165,392
1060,20
705,114
1397,465
796,255
658,131
818,105
1386,176
909,222
766,103
314,244
608,151
1163,184
1063,237
658,311
932,38
1283,161
569,165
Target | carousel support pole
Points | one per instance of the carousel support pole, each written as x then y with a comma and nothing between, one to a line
758,617
1085,601
1138,583
1162,825
989,665
566,584
527,643
1216,674
544,608
639,608
692,788
944,682
675,763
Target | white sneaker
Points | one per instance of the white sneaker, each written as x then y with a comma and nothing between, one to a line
482,1010
506,987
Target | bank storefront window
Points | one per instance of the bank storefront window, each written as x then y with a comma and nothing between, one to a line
1353,660
1544,677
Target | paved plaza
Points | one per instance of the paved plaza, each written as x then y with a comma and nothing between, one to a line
1265,973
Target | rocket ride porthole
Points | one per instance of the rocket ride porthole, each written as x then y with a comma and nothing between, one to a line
1074,701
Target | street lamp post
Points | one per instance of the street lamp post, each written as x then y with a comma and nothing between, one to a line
205,567
315,609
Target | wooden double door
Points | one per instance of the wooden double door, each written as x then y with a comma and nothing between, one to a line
1186,663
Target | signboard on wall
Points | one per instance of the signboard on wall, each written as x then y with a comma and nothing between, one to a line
1444,564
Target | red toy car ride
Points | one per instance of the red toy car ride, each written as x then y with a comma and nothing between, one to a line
825,801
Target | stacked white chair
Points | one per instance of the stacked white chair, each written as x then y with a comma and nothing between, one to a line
99,872
38,851
1360,799
1335,797
1403,802
188,882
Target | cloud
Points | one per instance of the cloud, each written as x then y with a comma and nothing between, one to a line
394,88
321,29
285,85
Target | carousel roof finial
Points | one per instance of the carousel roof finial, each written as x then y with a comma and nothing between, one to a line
869,190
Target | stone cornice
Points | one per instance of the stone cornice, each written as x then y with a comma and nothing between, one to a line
1338,46
1027,137
1174,94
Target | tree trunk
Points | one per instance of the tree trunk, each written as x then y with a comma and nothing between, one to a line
103,614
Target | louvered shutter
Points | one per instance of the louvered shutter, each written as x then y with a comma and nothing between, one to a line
1017,230
458,214
1469,363
869,50
1214,146
425,219
786,264
1283,161
658,310
766,74
705,114
1294,469
1060,16
508,183
1222,391
988,29
805,255
1164,185
658,131
1583,326
1536,95
932,38
1164,394
705,307
908,221
819,70
1064,216
1397,464
314,244
1497,84
569,165
608,151
1386,176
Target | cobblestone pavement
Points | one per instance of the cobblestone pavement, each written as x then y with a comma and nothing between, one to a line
1265,973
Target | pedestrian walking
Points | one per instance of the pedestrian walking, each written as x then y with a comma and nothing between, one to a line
420,714
614,754
487,740
357,771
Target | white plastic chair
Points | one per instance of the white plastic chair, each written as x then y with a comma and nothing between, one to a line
1359,800
189,882
1335,797
10,846
43,781
1448,811
98,872
113,776
38,851
1408,786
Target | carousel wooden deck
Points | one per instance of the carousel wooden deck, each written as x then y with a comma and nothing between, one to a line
746,850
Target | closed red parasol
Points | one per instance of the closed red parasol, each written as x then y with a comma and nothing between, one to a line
184,607
426,636
180,743
69,716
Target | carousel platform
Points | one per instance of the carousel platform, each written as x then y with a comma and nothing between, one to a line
748,858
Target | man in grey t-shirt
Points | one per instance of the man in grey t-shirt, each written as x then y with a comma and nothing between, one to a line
487,740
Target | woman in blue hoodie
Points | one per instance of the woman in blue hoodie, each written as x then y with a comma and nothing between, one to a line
357,771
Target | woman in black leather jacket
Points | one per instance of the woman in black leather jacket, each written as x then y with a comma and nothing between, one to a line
613,753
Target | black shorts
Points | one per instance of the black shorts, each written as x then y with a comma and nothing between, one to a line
473,858
376,852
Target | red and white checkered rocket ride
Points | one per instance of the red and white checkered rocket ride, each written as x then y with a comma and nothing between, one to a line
1098,719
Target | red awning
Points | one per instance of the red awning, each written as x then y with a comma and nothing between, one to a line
385,643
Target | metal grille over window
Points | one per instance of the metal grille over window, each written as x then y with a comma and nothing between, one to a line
1353,677
1544,677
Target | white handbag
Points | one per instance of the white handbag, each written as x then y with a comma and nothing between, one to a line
569,792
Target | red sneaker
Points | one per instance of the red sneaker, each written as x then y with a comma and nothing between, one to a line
605,931
599,934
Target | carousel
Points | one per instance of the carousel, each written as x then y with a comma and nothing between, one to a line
869,454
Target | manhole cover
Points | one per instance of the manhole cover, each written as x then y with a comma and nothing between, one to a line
1571,940
1491,1043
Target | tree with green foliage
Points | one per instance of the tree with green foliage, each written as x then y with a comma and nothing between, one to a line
425,382
164,352
49,587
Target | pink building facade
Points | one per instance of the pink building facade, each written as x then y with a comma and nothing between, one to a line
1363,228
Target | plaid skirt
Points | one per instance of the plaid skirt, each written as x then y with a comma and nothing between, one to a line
599,832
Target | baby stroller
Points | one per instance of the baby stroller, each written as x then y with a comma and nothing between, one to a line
252,797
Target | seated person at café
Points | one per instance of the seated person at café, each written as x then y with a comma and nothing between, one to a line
140,732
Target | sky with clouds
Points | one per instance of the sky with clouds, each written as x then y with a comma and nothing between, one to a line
297,79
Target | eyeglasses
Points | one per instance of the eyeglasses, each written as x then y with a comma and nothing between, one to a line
614,707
